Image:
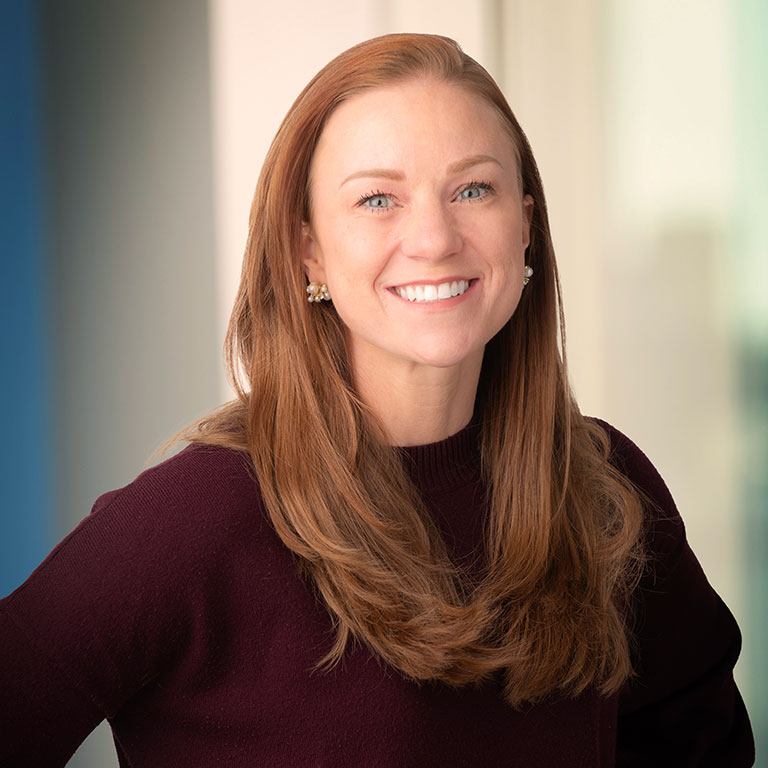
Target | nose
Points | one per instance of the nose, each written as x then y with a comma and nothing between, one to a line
429,231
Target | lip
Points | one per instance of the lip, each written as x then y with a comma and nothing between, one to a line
442,303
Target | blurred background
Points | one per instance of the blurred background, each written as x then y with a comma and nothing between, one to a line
132,136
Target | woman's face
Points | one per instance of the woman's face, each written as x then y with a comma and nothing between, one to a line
417,224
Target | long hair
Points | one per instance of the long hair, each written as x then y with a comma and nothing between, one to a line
563,536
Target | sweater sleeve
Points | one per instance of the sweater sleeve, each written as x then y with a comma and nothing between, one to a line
44,716
79,637
682,707
111,607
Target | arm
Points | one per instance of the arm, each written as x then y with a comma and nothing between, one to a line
110,609
80,636
45,716
682,708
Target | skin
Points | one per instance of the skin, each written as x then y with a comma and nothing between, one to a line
417,183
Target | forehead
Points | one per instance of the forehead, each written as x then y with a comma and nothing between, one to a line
412,123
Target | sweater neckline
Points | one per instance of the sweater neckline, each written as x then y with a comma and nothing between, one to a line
446,464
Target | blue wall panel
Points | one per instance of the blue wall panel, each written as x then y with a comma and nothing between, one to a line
25,445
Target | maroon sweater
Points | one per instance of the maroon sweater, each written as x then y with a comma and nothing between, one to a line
175,612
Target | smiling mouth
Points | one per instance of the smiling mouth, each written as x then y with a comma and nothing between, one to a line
431,292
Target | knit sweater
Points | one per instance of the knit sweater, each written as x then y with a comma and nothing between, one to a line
175,612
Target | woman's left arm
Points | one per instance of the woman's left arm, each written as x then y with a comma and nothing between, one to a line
682,707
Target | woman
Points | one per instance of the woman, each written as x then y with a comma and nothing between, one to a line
487,578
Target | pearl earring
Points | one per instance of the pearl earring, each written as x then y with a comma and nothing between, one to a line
317,292
527,274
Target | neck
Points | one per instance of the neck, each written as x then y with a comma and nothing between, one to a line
419,404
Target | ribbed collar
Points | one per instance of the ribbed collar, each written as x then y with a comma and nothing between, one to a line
447,464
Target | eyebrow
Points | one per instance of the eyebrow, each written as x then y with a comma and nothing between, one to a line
470,162
395,175
375,173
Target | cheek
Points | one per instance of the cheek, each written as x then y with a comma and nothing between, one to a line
509,286
505,310
355,267
503,237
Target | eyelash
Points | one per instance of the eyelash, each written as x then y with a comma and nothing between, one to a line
374,193
485,185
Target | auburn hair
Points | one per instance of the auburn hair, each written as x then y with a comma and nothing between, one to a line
563,536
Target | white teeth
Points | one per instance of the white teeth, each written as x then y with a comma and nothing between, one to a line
432,292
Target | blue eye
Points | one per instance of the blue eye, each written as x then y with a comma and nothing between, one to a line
375,201
475,191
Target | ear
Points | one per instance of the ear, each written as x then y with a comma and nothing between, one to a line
527,218
311,255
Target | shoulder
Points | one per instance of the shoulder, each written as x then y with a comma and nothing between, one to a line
151,546
176,518
625,456
204,468
201,484
665,530
681,700
123,594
